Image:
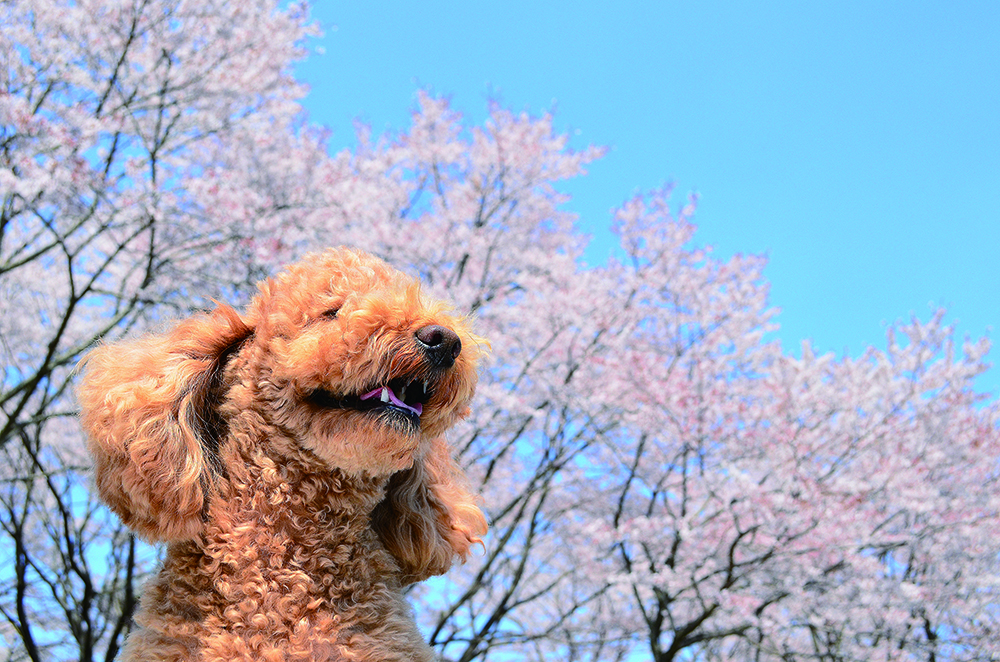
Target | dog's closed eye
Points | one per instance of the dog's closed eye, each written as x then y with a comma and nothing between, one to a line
331,313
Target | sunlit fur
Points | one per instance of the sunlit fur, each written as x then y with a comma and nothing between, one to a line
292,528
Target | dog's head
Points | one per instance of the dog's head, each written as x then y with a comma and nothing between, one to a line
356,363
341,354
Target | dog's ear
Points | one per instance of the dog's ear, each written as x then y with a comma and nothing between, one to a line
428,516
147,411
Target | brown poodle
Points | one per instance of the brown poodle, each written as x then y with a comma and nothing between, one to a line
293,458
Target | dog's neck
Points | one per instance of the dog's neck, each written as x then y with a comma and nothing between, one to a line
286,485
274,514
280,509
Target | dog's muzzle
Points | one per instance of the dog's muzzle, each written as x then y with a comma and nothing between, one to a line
400,401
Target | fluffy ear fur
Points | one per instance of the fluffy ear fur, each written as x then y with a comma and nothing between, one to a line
149,420
429,516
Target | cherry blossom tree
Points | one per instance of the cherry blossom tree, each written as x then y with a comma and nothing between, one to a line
106,110
664,481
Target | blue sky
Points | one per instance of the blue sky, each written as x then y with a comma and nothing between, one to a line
856,144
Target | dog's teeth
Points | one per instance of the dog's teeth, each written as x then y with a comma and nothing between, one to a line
402,393
385,394
423,385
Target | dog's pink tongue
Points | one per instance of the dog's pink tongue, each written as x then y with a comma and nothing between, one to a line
387,395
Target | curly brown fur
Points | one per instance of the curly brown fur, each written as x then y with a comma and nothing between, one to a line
295,511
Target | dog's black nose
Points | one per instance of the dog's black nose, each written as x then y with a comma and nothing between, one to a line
441,344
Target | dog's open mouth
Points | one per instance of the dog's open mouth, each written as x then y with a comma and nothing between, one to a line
402,396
